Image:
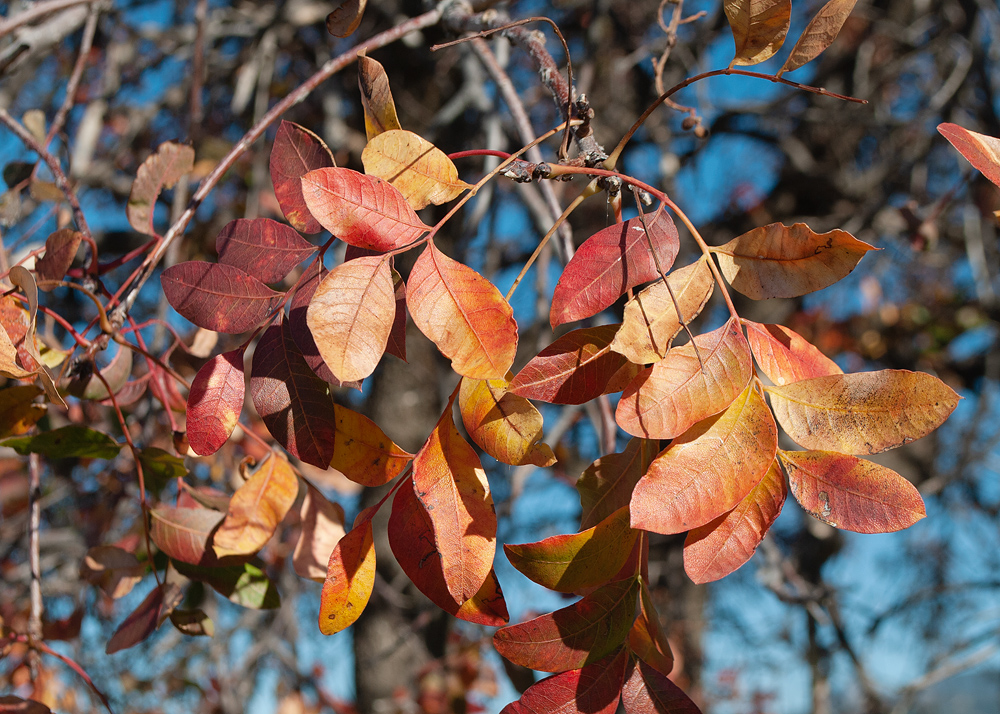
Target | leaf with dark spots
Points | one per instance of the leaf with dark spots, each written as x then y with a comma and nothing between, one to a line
266,249
218,297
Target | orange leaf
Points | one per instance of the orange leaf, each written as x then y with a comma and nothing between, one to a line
160,170
296,152
785,356
568,563
362,451
716,549
257,507
361,210
594,689
183,533
650,322
863,413
851,493
322,529
607,483
648,691
759,28
487,607
351,314
8,359
504,425
665,400
646,638
788,261
980,150
422,172
819,34
350,578
380,110
574,636
707,470
463,314
574,369
450,482
344,20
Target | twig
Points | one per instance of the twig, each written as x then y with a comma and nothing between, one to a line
69,663
38,10
198,69
34,560
86,41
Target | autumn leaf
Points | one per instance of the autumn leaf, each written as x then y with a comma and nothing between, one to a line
462,313
243,583
819,34
777,261
665,400
298,325
296,152
487,607
759,28
293,402
160,170
257,507
610,262
350,578
785,356
193,623
114,570
594,689
607,484
504,425
361,210
376,98
422,172
351,315
577,367
851,493
89,385
9,366
650,321
982,151
18,410
568,563
344,20
648,691
218,297
322,528
183,533
716,549
396,344
266,249
140,623
362,451
863,413
72,441
646,639
22,278
574,636
215,402
707,470
60,250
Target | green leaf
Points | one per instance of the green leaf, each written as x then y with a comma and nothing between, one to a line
66,443
245,584
159,467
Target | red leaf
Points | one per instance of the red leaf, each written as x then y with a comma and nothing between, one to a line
296,152
60,250
9,704
139,625
716,549
785,356
218,297
576,368
610,262
646,638
980,150
266,249
361,210
576,635
595,689
297,323
183,533
350,578
463,314
160,170
647,691
215,402
294,403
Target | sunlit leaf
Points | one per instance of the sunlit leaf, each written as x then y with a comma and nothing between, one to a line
344,20
215,402
218,297
574,636
8,359
785,356
257,507
18,410
112,569
576,368
607,483
362,451
980,150
322,529
650,321
296,152
16,322
244,583
504,425
595,689
298,324
266,249
777,261
293,402
351,315
487,607
819,34
193,623
139,624
759,28
851,493
361,210
463,314
376,98
665,400
610,262
716,549
707,470
863,413
648,691
183,533
568,563
67,442
422,172
350,577
22,278
60,250
160,170
646,638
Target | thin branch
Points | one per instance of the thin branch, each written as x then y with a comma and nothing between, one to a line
34,561
86,42
35,12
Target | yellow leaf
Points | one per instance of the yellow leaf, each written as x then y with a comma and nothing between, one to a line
419,170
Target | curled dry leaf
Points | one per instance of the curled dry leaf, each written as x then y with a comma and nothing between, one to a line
257,507
594,689
863,413
650,321
362,451
665,400
350,578
504,425
716,549
759,28
980,150
777,261
218,297
215,402
851,493
8,359
264,248
376,98
344,20
708,470
322,529
785,356
819,34
160,170
193,623
60,250
296,152
422,172
606,485
88,385
462,313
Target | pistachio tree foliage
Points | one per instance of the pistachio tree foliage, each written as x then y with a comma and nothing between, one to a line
703,404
